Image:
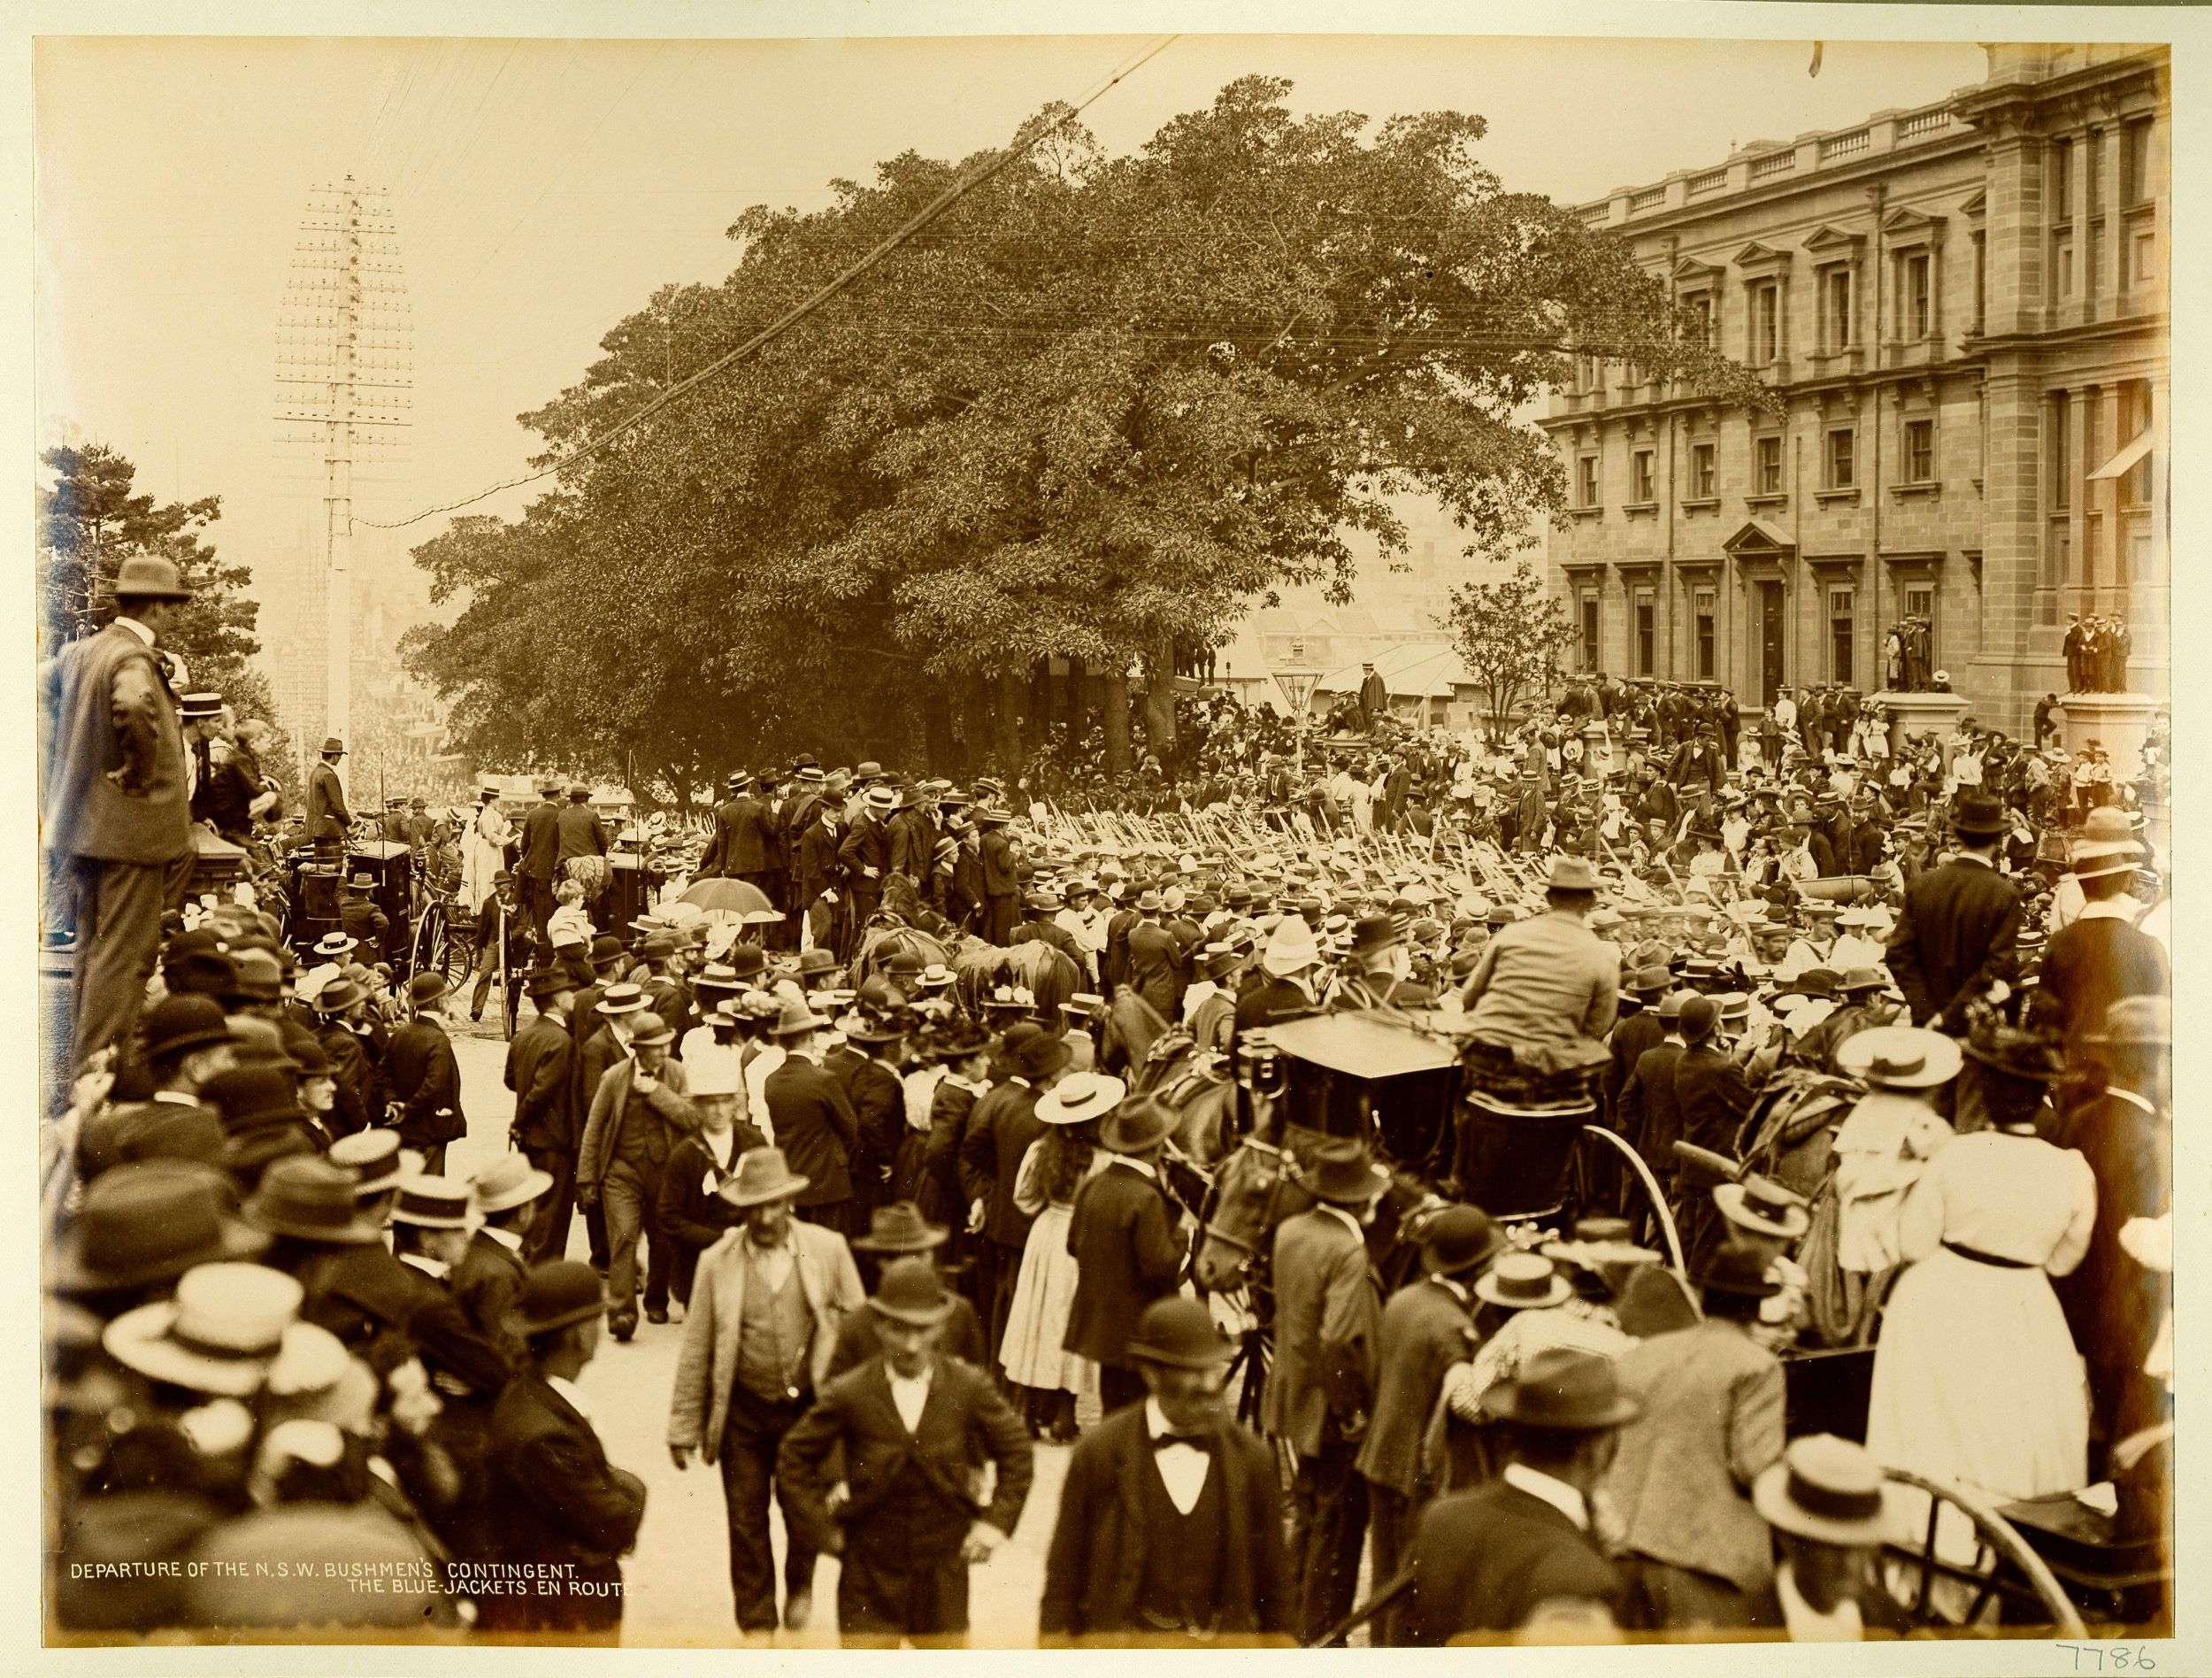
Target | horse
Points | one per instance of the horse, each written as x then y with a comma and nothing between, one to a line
1047,973
880,944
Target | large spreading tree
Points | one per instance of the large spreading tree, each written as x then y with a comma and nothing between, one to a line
1097,412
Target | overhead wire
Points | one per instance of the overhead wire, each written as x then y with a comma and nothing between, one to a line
929,213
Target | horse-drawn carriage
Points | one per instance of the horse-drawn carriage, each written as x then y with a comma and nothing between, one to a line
315,896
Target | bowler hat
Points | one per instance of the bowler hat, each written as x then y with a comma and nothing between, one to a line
1825,1489
763,1174
1458,1239
257,976
649,1030
311,1199
557,1294
1179,1334
1730,1268
333,747
1377,932
900,1228
426,988
1569,1391
147,1221
507,1181
150,577
1978,815
910,1291
176,1024
1344,1173
606,949
254,1094
1699,1015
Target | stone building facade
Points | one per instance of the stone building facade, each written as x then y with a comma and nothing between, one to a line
1962,310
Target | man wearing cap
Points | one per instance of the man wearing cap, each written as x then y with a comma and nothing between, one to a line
766,1302
1169,1529
540,858
1320,1393
1961,922
917,1429
1426,1327
1711,1425
563,1507
639,1111
424,1077
115,817
1495,1559
1124,1235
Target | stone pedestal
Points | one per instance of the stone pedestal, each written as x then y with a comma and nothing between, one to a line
1912,714
2119,722
1597,749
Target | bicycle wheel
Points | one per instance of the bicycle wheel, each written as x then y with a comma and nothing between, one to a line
506,1000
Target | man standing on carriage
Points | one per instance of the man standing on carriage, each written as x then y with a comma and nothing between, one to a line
540,859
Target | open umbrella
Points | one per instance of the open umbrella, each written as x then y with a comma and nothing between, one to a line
736,897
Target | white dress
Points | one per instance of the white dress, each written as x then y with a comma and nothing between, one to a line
483,854
1044,1290
1976,1377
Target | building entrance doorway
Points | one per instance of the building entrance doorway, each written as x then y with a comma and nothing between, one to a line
1770,641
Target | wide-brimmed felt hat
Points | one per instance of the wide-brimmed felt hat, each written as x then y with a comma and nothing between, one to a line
1080,1096
146,1221
1898,1058
544,982
1734,1269
311,1199
1651,981
252,1094
2106,833
557,1294
219,1334
1458,1239
794,1018
1524,1281
1344,1173
1179,1334
1568,1391
1570,873
1138,1124
339,995
815,961
1859,981
910,1291
1826,1488
1978,815
900,1228
150,577
1760,1203
763,1174
1038,1055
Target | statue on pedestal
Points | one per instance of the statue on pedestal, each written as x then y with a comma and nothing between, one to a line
1907,657
2097,652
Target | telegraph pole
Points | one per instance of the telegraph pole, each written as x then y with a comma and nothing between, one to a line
344,368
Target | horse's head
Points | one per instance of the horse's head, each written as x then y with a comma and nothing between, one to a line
1246,1195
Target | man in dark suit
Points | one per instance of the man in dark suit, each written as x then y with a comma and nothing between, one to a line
116,813
1000,884
1427,1326
1321,1391
820,877
563,1508
487,1281
1000,1132
812,1119
913,835
714,864
1715,1085
915,1430
1498,1558
2101,955
1170,1527
1285,988
865,853
540,861
328,817
1647,1115
541,1071
747,854
424,1076
1155,959
1962,922
878,1091
581,832
1123,1234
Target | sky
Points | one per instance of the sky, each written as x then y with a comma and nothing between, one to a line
542,190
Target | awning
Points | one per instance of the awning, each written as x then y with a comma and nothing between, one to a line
2127,459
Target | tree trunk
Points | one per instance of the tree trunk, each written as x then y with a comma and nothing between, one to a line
937,750
1116,719
1007,738
1077,706
975,697
1159,700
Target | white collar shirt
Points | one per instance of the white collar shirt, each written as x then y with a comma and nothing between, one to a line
512,1240
1139,1166
1808,1624
1346,1218
1183,1467
567,1390
1557,1493
910,1394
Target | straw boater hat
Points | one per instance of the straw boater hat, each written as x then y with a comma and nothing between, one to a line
1524,1281
220,1333
1762,1204
376,1159
1898,1058
1825,1489
1080,1096
507,1181
432,1203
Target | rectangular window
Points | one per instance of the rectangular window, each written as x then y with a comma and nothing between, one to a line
1843,458
1842,619
1914,290
1590,632
2096,172
1647,635
1703,484
1700,324
1587,481
1920,601
2062,183
1835,310
2061,466
2092,454
1767,457
1981,283
1766,322
2135,162
2135,420
2062,266
1703,604
1919,451
1646,484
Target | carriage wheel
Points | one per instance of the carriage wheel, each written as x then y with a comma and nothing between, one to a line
506,998
2004,1565
430,943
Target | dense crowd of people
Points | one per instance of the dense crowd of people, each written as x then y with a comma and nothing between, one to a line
891,1143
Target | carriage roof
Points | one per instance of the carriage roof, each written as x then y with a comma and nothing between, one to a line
1361,1045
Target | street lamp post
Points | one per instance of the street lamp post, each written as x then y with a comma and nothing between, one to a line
1297,681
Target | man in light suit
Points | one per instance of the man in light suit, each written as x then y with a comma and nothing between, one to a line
1328,1312
117,813
639,1110
916,1428
1711,1425
767,1300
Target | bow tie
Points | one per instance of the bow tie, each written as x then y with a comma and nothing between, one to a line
1195,1441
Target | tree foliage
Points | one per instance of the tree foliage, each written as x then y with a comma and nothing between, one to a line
1097,412
89,523
1508,634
